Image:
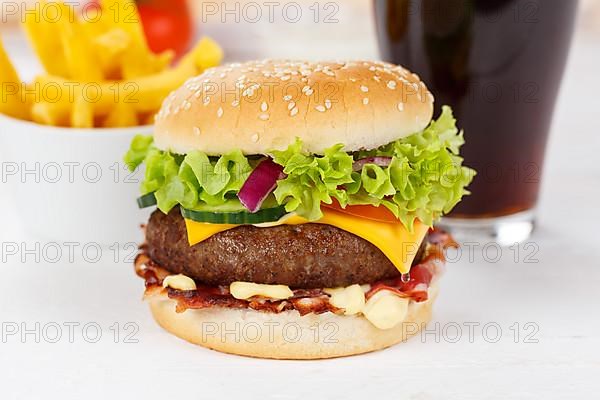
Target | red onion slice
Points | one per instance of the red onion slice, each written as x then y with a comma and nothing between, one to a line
260,184
382,161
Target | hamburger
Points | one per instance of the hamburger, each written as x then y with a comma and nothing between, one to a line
295,204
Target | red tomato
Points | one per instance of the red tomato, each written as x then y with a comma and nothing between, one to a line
380,213
167,24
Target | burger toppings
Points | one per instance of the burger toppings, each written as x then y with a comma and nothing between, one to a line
381,161
350,298
300,256
386,310
416,177
384,303
423,178
246,290
233,218
179,282
393,239
260,184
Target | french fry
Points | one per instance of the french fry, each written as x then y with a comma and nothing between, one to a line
11,102
49,114
45,42
96,24
110,54
206,54
144,94
138,60
82,115
110,47
120,116
79,56
164,60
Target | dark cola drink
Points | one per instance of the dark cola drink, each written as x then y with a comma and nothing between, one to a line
499,64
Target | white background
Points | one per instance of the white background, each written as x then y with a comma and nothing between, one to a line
555,290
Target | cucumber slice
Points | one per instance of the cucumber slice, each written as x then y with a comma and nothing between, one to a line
233,206
238,218
147,200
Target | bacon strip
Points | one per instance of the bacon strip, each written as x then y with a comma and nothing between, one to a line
305,301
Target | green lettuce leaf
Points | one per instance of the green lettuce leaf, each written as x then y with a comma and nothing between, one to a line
220,178
188,180
312,179
140,145
424,179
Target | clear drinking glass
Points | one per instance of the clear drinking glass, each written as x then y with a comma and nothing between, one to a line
499,64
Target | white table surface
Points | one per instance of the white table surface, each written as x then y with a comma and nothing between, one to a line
556,294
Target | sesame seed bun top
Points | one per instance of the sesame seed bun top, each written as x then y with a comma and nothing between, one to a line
265,105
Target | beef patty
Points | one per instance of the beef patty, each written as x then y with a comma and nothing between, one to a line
300,256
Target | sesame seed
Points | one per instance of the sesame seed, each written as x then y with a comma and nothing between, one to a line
352,79
285,78
305,89
320,108
309,92
187,105
220,112
287,97
198,94
328,104
254,137
206,100
294,111
366,101
264,116
376,78
391,85
364,88
196,131
235,103
264,107
291,105
400,106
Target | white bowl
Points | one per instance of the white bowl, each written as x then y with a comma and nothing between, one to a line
71,184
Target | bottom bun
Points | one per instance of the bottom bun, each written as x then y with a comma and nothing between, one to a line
286,335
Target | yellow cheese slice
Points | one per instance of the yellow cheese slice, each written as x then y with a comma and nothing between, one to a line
398,244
